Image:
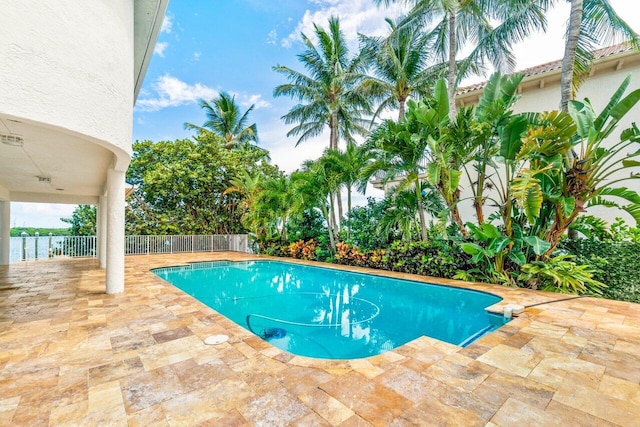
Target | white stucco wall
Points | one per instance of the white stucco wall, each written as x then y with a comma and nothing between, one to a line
69,64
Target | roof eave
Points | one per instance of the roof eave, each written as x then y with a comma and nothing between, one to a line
148,17
551,73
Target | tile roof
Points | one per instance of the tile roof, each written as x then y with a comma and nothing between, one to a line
552,66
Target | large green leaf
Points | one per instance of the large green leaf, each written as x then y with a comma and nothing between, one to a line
621,192
604,115
499,245
442,99
517,257
583,115
455,179
490,231
634,211
433,174
528,194
538,245
490,92
568,205
511,136
624,106
599,201
471,248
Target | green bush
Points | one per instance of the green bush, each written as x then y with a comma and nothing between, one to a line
306,226
363,223
616,264
438,258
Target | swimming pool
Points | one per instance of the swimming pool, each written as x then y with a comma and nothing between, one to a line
334,314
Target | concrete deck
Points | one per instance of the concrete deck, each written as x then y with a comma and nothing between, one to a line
72,355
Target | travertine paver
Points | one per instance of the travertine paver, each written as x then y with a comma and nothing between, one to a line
72,355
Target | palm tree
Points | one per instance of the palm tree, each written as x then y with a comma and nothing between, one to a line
313,189
226,120
346,167
277,201
329,95
590,22
400,214
460,22
399,64
248,186
398,152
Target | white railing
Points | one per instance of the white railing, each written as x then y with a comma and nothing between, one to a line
39,247
143,245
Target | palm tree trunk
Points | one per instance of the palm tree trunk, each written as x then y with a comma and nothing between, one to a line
340,211
401,110
348,209
573,32
332,216
327,218
284,229
568,61
423,221
451,89
333,126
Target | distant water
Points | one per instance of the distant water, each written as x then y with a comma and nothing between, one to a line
15,245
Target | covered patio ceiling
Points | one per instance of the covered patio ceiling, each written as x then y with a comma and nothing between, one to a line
51,165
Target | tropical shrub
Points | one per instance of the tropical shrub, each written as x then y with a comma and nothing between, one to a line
304,250
349,255
437,258
615,264
275,248
307,225
364,224
561,274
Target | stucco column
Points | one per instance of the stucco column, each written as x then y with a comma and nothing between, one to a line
115,231
5,231
101,231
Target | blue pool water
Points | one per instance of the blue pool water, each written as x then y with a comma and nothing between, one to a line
333,314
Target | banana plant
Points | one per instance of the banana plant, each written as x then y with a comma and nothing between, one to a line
492,115
452,144
492,249
556,165
595,171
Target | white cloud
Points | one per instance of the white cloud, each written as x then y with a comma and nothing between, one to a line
167,24
246,100
196,56
160,48
172,92
356,16
272,37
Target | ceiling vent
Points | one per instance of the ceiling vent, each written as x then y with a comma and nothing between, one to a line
13,140
45,179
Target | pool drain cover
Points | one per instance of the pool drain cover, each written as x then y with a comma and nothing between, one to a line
273,333
216,339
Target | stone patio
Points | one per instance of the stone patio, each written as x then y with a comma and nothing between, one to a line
72,355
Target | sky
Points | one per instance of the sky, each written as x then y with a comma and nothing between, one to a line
218,45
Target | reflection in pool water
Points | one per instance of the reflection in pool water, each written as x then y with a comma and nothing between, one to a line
333,314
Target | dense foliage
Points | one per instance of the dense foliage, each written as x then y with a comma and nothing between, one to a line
181,186
616,263
31,231
83,221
